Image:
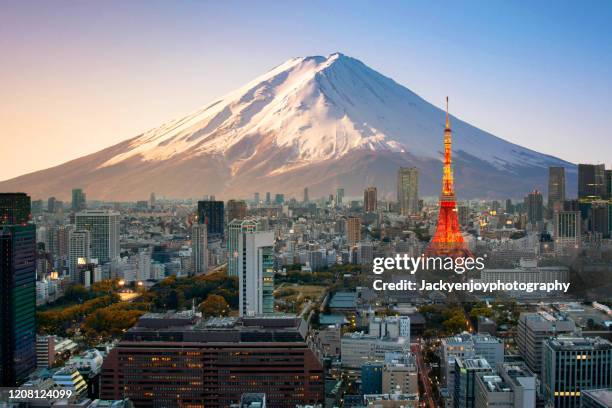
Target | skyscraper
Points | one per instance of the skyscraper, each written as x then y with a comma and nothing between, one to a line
79,251
211,213
566,229
14,208
251,259
608,184
79,202
573,364
17,292
556,187
534,207
306,198
447,240
199,248
103,227
591,181
369,200
236,210
353,230
268,198
339,196
408,190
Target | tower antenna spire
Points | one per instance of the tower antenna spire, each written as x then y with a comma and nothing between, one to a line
447,120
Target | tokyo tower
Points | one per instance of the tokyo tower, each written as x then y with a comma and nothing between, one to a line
448,241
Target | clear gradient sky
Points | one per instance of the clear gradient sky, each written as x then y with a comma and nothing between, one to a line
78,76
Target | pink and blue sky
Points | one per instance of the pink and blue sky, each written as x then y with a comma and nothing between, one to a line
78,76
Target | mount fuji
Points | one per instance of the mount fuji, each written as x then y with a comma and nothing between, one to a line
316,122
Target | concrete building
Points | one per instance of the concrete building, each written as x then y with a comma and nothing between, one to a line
79,251
513,387
199,249
533,330
353,230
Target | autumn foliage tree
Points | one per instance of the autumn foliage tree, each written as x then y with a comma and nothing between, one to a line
214,305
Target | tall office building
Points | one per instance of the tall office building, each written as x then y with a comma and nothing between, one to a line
353,230
532,331
339,196
279,199
608,184
556,187
369,200
14,208
103,227
534,207
371,378
591,178
573,364
79,251
152,200
17,292
599,217
306,198
79,203
251,253
212,213
199,249
408,190
213,362
466,372
268,198
256,198
236,210
566,229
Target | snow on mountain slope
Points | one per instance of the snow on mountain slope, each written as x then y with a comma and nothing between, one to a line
320,108
305,121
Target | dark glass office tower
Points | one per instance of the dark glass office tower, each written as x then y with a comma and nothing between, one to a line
556,187
14,208
591,181
212,214
17,294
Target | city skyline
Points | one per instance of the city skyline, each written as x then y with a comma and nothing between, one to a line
129,87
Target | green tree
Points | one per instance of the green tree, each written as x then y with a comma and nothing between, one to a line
214,305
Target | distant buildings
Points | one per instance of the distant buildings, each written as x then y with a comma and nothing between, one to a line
591,181
199,248
79,202
212,213
103,227
339,196
369,200
408,190
251,259
79,251
573,364
236,210
214,362
358,348
534,207
556,187
17,290
353,230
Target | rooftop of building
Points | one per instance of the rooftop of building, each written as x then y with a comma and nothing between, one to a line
570,343
473,363
603,396
188,326
343,300
495,383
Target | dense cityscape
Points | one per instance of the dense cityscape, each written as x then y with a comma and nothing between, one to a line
269,301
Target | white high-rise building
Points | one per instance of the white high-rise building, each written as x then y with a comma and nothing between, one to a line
103,225
79,251
199,249
408,190
252,252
